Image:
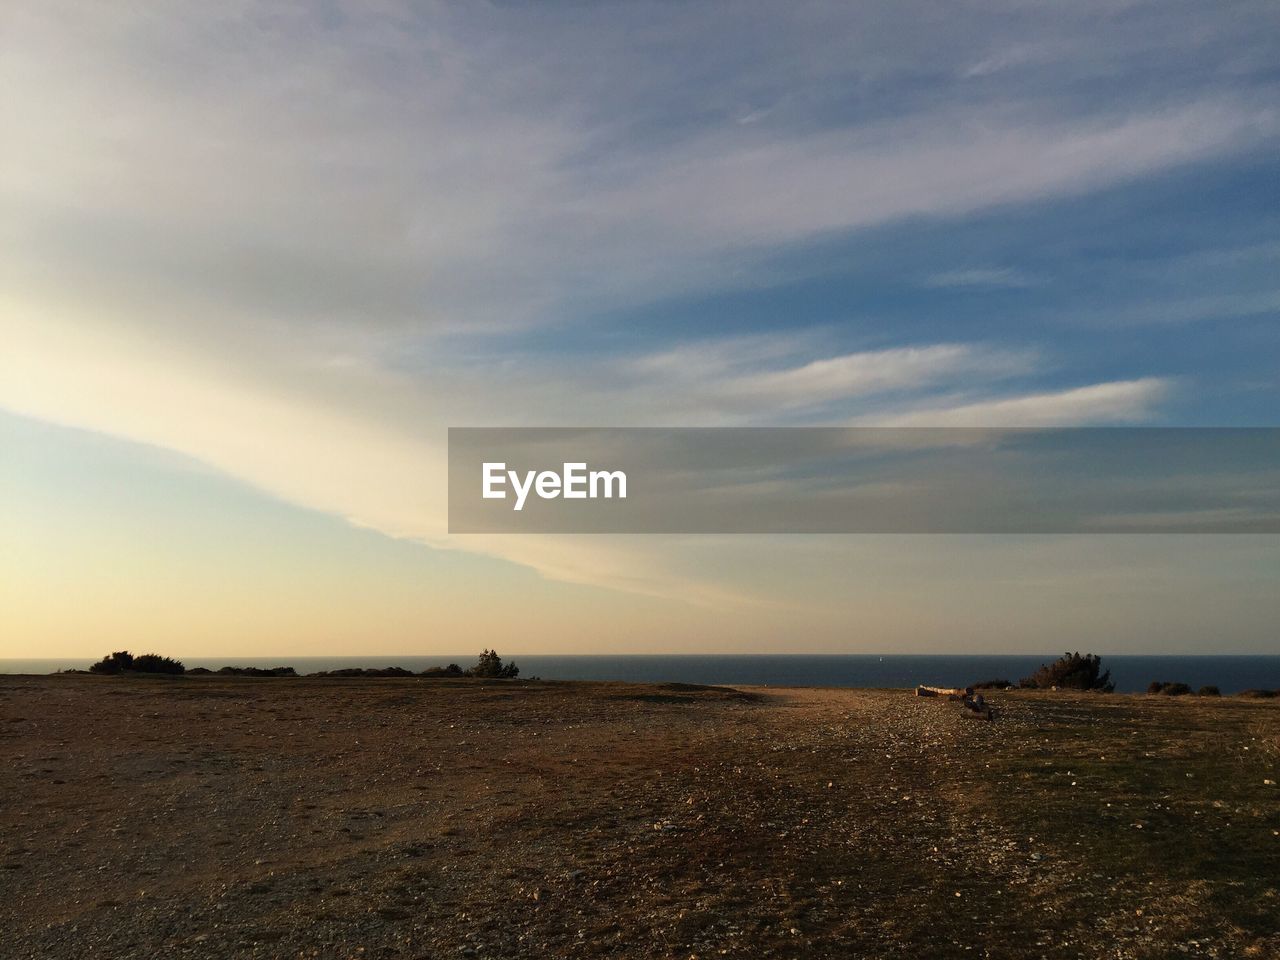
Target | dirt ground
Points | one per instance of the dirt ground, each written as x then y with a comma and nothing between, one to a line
207,817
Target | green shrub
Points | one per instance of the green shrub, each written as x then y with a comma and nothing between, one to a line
124,662
257,672
154,663
452,670
1209,690
114,663
1071,671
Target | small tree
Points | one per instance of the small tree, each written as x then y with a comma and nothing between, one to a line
491,665
1072,671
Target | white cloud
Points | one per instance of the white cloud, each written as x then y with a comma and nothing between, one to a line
981,277
854,375
1122,401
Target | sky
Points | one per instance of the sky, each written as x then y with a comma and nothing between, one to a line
255,259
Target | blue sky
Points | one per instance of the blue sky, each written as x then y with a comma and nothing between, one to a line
288,245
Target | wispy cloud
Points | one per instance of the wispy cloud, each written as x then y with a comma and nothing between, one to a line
1123,401
853,376
1014,55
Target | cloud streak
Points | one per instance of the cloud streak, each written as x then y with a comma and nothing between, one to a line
1119,402
980,277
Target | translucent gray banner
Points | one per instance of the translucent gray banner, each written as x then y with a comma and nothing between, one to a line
864,480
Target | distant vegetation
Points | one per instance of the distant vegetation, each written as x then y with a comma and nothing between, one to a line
125,662
452,670
489,665
1071,671
1074,672
1169,689
1182,689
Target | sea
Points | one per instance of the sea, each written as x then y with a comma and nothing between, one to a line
1131,674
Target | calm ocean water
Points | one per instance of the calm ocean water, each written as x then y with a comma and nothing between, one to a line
1131,674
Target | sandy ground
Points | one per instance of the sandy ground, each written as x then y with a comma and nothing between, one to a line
219,818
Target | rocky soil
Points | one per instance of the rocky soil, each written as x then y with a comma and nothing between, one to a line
404,819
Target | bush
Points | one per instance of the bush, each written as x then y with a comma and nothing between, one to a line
256,672
452,670
154,663
1260,694
1073,672
365,672
491,665
124,662
1169,689
114,663
1209,690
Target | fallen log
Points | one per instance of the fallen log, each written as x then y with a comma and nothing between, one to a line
952,692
